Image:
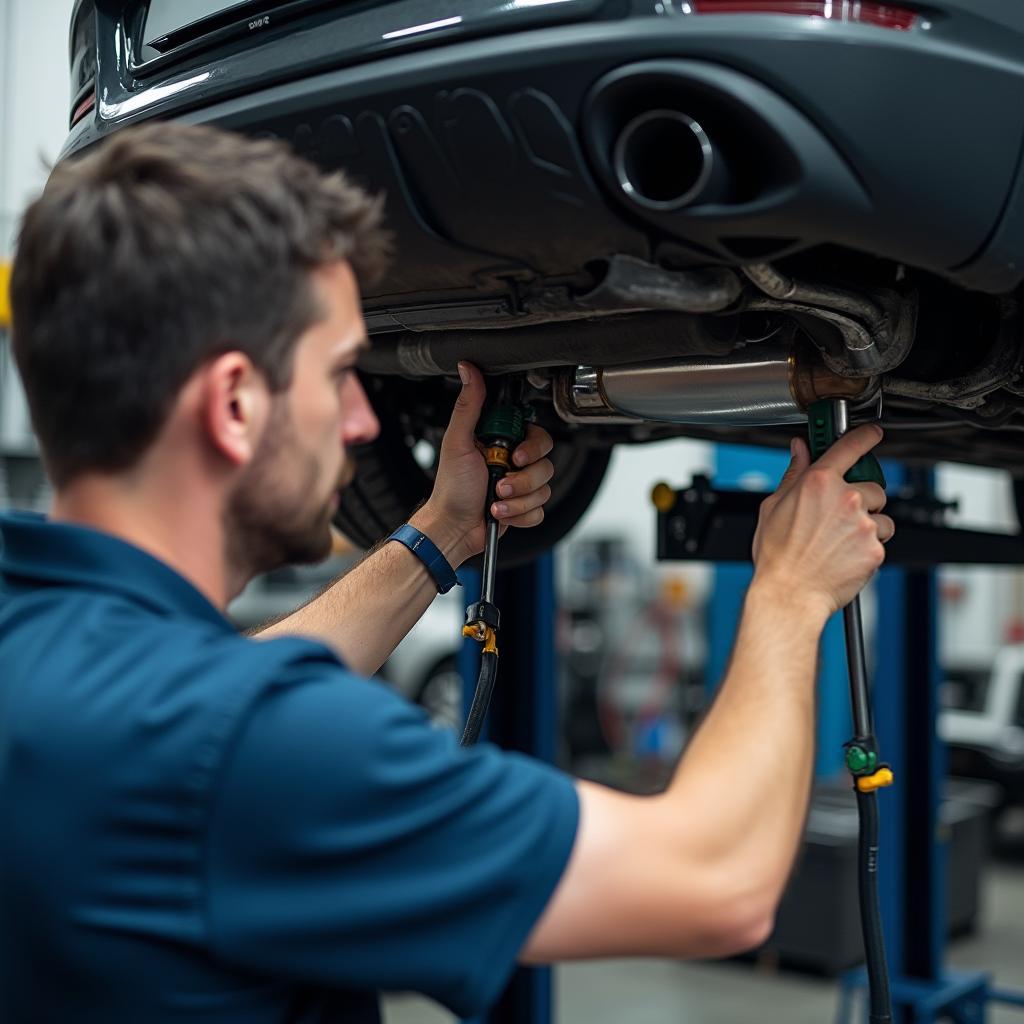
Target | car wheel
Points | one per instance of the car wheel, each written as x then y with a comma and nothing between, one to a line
440,695
394,475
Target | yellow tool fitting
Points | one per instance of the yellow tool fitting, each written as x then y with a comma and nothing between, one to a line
664,497
497,455
879,780
483,634
490,641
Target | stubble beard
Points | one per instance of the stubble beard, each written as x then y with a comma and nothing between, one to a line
273,517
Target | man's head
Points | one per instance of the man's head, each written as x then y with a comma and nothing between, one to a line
173,252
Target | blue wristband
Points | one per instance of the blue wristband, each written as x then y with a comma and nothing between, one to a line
426,551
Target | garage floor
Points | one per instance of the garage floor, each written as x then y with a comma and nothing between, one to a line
661,992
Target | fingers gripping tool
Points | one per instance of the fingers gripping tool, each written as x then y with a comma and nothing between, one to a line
502,427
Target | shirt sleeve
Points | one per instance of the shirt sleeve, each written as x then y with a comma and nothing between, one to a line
351,844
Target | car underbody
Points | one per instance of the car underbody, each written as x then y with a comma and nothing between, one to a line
666,219
940,368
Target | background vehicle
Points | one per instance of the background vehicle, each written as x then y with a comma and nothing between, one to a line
670,218
424,665
983,722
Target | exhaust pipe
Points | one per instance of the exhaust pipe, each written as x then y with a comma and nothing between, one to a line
663,160
766,386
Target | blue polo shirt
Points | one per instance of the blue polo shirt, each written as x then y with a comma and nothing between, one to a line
198,826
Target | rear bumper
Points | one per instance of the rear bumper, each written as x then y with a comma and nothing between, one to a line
494,152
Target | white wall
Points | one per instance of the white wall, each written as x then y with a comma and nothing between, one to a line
623,508
6,100
623,504
34,100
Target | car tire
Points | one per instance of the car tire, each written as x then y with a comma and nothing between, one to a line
390,484
440,695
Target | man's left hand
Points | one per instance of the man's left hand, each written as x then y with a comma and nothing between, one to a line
460,487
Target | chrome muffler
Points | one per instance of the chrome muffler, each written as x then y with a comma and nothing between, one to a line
762,385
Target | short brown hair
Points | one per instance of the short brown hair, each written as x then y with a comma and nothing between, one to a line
157,250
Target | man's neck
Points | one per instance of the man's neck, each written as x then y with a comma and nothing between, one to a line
181,528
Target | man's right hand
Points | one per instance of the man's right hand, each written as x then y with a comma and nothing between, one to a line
818,536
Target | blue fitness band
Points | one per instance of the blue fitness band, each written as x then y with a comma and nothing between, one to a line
426,551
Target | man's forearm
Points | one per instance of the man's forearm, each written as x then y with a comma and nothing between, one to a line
368,611
749,767
698,869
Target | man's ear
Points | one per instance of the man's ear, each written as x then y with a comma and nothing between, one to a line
235,406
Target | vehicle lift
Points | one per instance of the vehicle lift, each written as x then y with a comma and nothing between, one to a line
702,523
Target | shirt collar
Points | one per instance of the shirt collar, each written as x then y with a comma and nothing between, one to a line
35,549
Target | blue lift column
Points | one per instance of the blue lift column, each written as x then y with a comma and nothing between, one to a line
523,717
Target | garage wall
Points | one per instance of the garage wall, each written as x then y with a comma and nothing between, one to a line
6,102
34,97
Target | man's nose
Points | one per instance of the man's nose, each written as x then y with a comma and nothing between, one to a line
359,423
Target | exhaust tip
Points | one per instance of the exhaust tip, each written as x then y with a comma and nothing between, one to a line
663,160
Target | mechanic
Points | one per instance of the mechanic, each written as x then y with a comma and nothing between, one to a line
204,826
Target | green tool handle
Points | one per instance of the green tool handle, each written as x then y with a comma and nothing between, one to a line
504,422
823,431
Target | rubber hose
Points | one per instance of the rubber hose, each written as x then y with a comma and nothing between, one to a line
481,698
880,1005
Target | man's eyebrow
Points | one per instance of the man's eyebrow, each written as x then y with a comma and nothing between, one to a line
344,349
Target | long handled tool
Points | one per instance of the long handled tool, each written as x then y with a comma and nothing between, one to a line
827,421
500,430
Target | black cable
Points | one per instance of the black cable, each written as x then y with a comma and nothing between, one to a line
481,698
880,1001
879,998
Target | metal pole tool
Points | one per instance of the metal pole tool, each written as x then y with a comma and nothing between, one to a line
501,429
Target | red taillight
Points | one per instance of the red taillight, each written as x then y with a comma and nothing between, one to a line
863,12
83,108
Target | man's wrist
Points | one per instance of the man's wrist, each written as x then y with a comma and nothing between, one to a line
775,597
450,542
